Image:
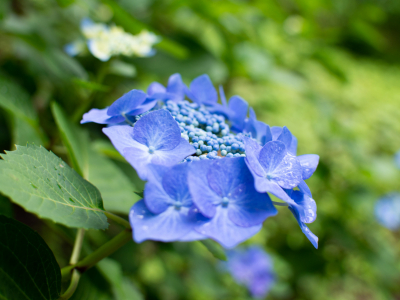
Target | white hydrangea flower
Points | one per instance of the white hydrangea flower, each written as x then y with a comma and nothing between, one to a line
105,41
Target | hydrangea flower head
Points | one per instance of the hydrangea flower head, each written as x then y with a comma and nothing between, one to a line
223,190
387,211
253,268
155,138
106,41
167,212
209,167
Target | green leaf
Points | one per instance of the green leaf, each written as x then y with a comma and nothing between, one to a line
16,100
43,184
122,287
28,268
121,68
216,250
140,194
75,141
106,148
92,286
89,85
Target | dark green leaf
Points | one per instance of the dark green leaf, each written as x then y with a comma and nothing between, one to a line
215,249
43,184
140,194
28,268
5,207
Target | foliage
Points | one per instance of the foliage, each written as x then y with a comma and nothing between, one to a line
328,70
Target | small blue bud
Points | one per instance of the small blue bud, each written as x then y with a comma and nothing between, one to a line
208,128
235,146
228,149
222,147
198,152
196,145
209,148
229,155
203,148
223,152
216,147
203,157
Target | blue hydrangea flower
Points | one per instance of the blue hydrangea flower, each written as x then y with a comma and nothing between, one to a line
122,110
273,167
397,159
155,138
167,212
223,190
253,268
235,110
387,211
304,210
175,90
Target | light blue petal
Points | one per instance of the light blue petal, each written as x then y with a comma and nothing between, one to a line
127,103
122,137
175,184
238,107
168,226
272,155
100,116
224,231
192,236
305,206
303,187
155,88
176,87
174,156
203,91
263,185
203,196
155,197
222,96
309,163
248,208
146,106
158,129
252,153
139,158
285,137
311,236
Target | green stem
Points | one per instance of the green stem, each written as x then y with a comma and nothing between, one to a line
72,287
280,203
118,219
77,247
96,256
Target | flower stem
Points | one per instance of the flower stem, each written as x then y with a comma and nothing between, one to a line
104,251
72,287
280,203
117,219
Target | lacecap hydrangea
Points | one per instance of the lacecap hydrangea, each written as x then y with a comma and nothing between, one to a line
105,41
209,166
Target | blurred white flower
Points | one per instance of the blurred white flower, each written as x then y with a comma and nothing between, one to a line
105,41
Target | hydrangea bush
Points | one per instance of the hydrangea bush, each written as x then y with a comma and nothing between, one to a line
209,166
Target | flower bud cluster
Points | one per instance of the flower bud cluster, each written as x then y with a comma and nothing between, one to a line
105,41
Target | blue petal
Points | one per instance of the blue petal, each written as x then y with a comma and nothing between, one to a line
127,103
155,88
238,107
222,96
280,166
139,158
257,129
224,231
174,156
277,132
309,163
252,153
192,236
158,129
203,91
306,207
176,87
247,207
285,137
387,211
175,184
303,187
203,196
121,137
168,226
263,185
311,236
155,197
146,106
225,175
100,116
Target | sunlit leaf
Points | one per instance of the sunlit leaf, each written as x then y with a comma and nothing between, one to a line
28,268
43,184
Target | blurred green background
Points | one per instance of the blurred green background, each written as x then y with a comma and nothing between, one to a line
327,69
